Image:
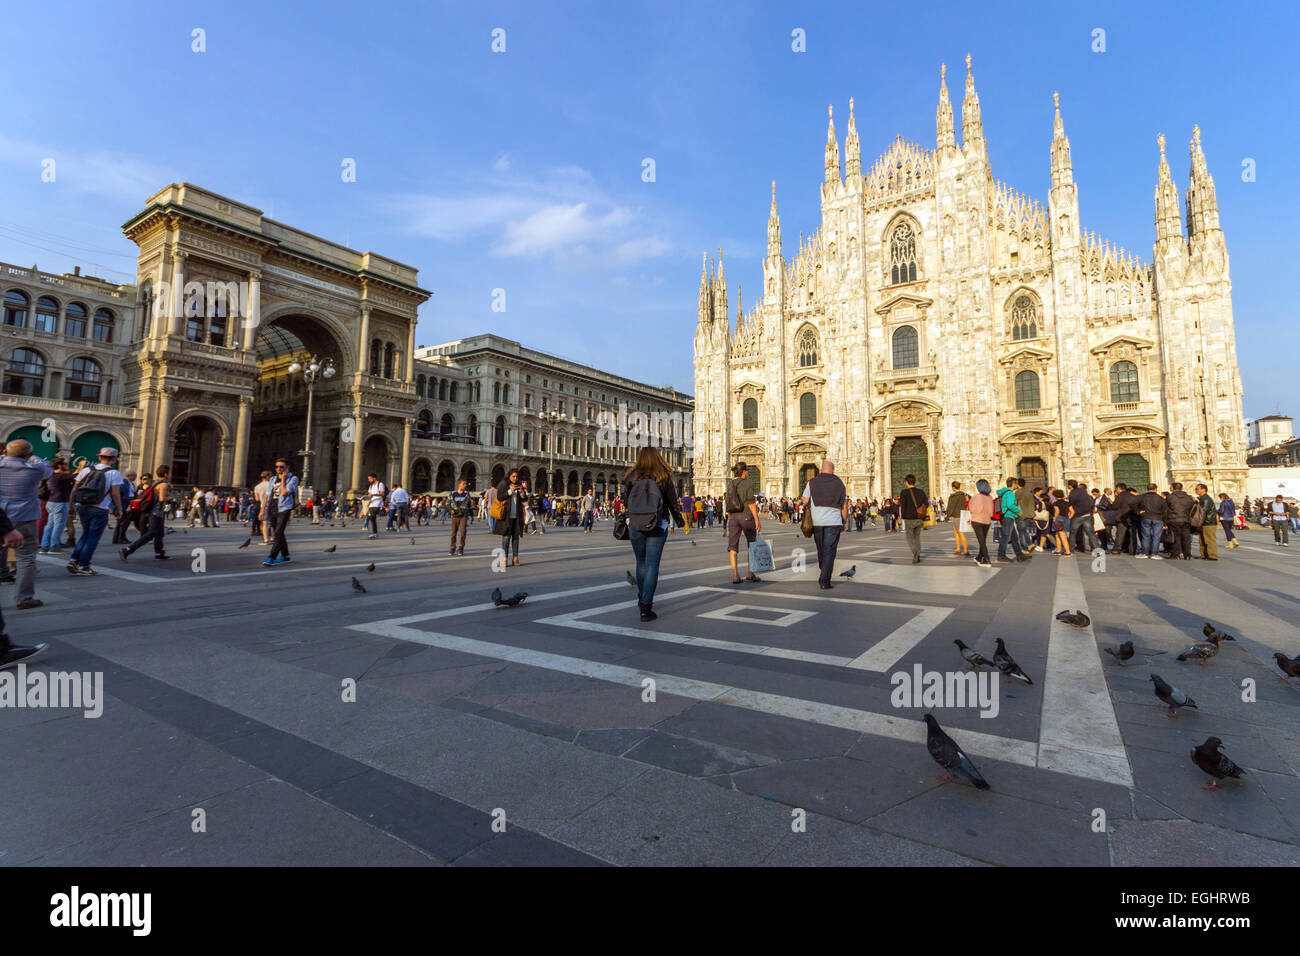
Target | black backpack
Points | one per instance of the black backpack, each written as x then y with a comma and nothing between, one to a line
645,503
90,491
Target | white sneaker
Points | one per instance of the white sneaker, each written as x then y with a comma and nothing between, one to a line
1157,557
1139,555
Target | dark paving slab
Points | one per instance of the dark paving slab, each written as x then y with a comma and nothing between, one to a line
694,758
1158,843
830,842
784,738
616,741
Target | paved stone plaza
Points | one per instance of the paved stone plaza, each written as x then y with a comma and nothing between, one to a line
224,692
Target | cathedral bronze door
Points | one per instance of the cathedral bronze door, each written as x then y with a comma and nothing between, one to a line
1134,471
1033,471
806,474
909,456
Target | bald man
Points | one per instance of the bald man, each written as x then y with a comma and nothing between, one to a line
826,495
21,473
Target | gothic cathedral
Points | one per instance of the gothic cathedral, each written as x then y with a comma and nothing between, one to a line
944,324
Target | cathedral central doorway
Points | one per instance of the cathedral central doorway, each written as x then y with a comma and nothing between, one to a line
1133,470
1033,472
806,474
909,456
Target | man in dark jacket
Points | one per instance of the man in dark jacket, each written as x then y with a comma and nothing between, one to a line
1178,515
1209,539
1127,538
1151,512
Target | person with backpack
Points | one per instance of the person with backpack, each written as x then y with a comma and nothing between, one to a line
913,505
98,492
742,517
1009,511
153,508
651,502
508,513
377,492
129,492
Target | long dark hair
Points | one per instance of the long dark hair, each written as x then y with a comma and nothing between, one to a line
649,464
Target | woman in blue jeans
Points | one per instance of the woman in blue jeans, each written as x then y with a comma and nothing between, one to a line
648,543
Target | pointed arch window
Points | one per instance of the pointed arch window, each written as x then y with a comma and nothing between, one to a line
805,347
1025,320
749,413
1027,394
902,255
906,348
1123,382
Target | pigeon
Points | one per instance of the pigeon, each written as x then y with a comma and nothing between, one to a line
1122,653
1214,635
331,549
412,541
1216,764
358,586
692,542
631,580
850,572
1171,695
1200,651
973,657
370,568
247,542
343,524
1290,668
1076,619
948,755
1004,662
513,601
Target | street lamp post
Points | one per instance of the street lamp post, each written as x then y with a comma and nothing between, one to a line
313,370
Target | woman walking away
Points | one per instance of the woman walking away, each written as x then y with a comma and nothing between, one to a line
1061,523
956,505
651,502
509,505
1227,517
981,516
742,516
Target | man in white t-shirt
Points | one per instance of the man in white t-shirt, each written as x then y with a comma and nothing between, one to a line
262,494
104,482
826,495
399,508
374,503
1281,515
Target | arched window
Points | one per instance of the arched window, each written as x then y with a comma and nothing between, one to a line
424,424
496,393
25,373
16,303
805,347
1025,320
902,255
505,397
1027,390
419,386
499,431
749,413
47,315
1123,382
455,389
216,321
906,349
442,390
473,430
376,356
390,360
84,378
807,409
446,427
74,321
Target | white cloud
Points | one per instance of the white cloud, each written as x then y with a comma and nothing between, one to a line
557,227
117,176
634,250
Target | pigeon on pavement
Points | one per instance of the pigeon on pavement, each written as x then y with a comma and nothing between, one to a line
1007,665
513,601
370,568
1211,634
247,542
412,541
1209,758
1200,651
331,549
1122,653
1290,668
1171,695
850,572
948,755
973,657
1076,619
358,586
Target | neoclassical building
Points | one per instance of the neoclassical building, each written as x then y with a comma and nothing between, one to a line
942,323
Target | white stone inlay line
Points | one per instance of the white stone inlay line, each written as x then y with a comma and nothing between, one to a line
1079,733
729,613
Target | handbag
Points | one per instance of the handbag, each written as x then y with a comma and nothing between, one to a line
760,556
498,510
620,526
963,523
1098,522
806,519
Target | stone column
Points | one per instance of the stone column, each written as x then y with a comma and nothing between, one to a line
410,355
239,473
358,443
407,424
223,461
162,428
254,317
177,324
363,345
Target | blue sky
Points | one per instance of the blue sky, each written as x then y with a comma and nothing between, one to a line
522,170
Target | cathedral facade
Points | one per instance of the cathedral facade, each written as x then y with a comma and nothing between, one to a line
943,324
